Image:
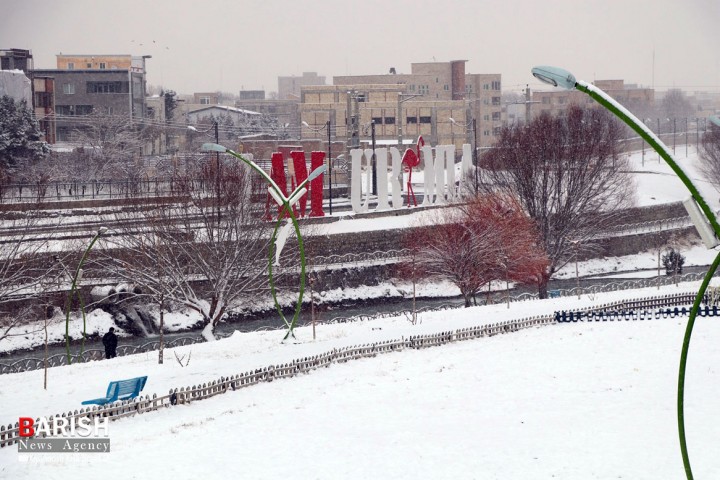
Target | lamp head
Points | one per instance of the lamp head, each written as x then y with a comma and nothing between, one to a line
557,77
305,123
317,172
213,147
191,128
452,120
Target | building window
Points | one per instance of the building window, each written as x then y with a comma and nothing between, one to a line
68,88
425,119
486,133
410,120
496,85
445,87
486,87
108,87
204,100
63,134
71,66
377,120
561,100
546,100
496,116
73,109
496,131
88,65
389,120
412,88
496,100
43,99
486,118
103,66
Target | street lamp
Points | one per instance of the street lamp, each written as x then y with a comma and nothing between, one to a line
286,203
217,169
700,212
329,155
73,291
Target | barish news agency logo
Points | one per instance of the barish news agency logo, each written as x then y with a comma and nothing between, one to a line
60,434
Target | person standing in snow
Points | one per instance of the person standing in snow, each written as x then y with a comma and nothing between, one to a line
110,342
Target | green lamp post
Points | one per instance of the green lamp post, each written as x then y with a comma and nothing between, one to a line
73,291
276,243
699,210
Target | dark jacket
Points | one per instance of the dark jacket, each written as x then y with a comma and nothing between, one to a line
110,342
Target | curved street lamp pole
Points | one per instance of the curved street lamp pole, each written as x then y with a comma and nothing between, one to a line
564,79
286,203
73,291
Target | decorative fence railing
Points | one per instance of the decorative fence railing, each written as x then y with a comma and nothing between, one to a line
185,395
627,315
35,363
650,226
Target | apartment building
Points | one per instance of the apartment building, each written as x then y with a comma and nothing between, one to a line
555,102
437,100
85,84
289,87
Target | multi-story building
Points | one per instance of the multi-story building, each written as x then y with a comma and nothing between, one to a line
437,100
106,84
289,87
206,98
16,59
555,102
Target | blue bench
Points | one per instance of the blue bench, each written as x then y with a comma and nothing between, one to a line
120,390
553,293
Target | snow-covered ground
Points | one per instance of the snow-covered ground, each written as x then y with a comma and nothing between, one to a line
562,401
571,401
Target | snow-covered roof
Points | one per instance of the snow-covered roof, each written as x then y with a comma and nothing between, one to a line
227,109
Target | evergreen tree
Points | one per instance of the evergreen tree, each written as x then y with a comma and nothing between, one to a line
20,137
673,262
171,103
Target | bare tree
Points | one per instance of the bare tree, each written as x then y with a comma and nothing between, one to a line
710,155
110,146
207,250
566,174
489,238
26,271
676,105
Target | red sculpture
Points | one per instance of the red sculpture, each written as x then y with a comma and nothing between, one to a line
317,159
411,159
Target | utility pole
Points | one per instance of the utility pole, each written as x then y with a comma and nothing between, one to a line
475,150
527,104
374,162
327,125
217,177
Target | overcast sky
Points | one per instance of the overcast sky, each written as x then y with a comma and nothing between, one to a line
208,45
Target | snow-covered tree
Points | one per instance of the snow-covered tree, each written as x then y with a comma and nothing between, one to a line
710,155
676,105
206,249
20,137
567,175
489,238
